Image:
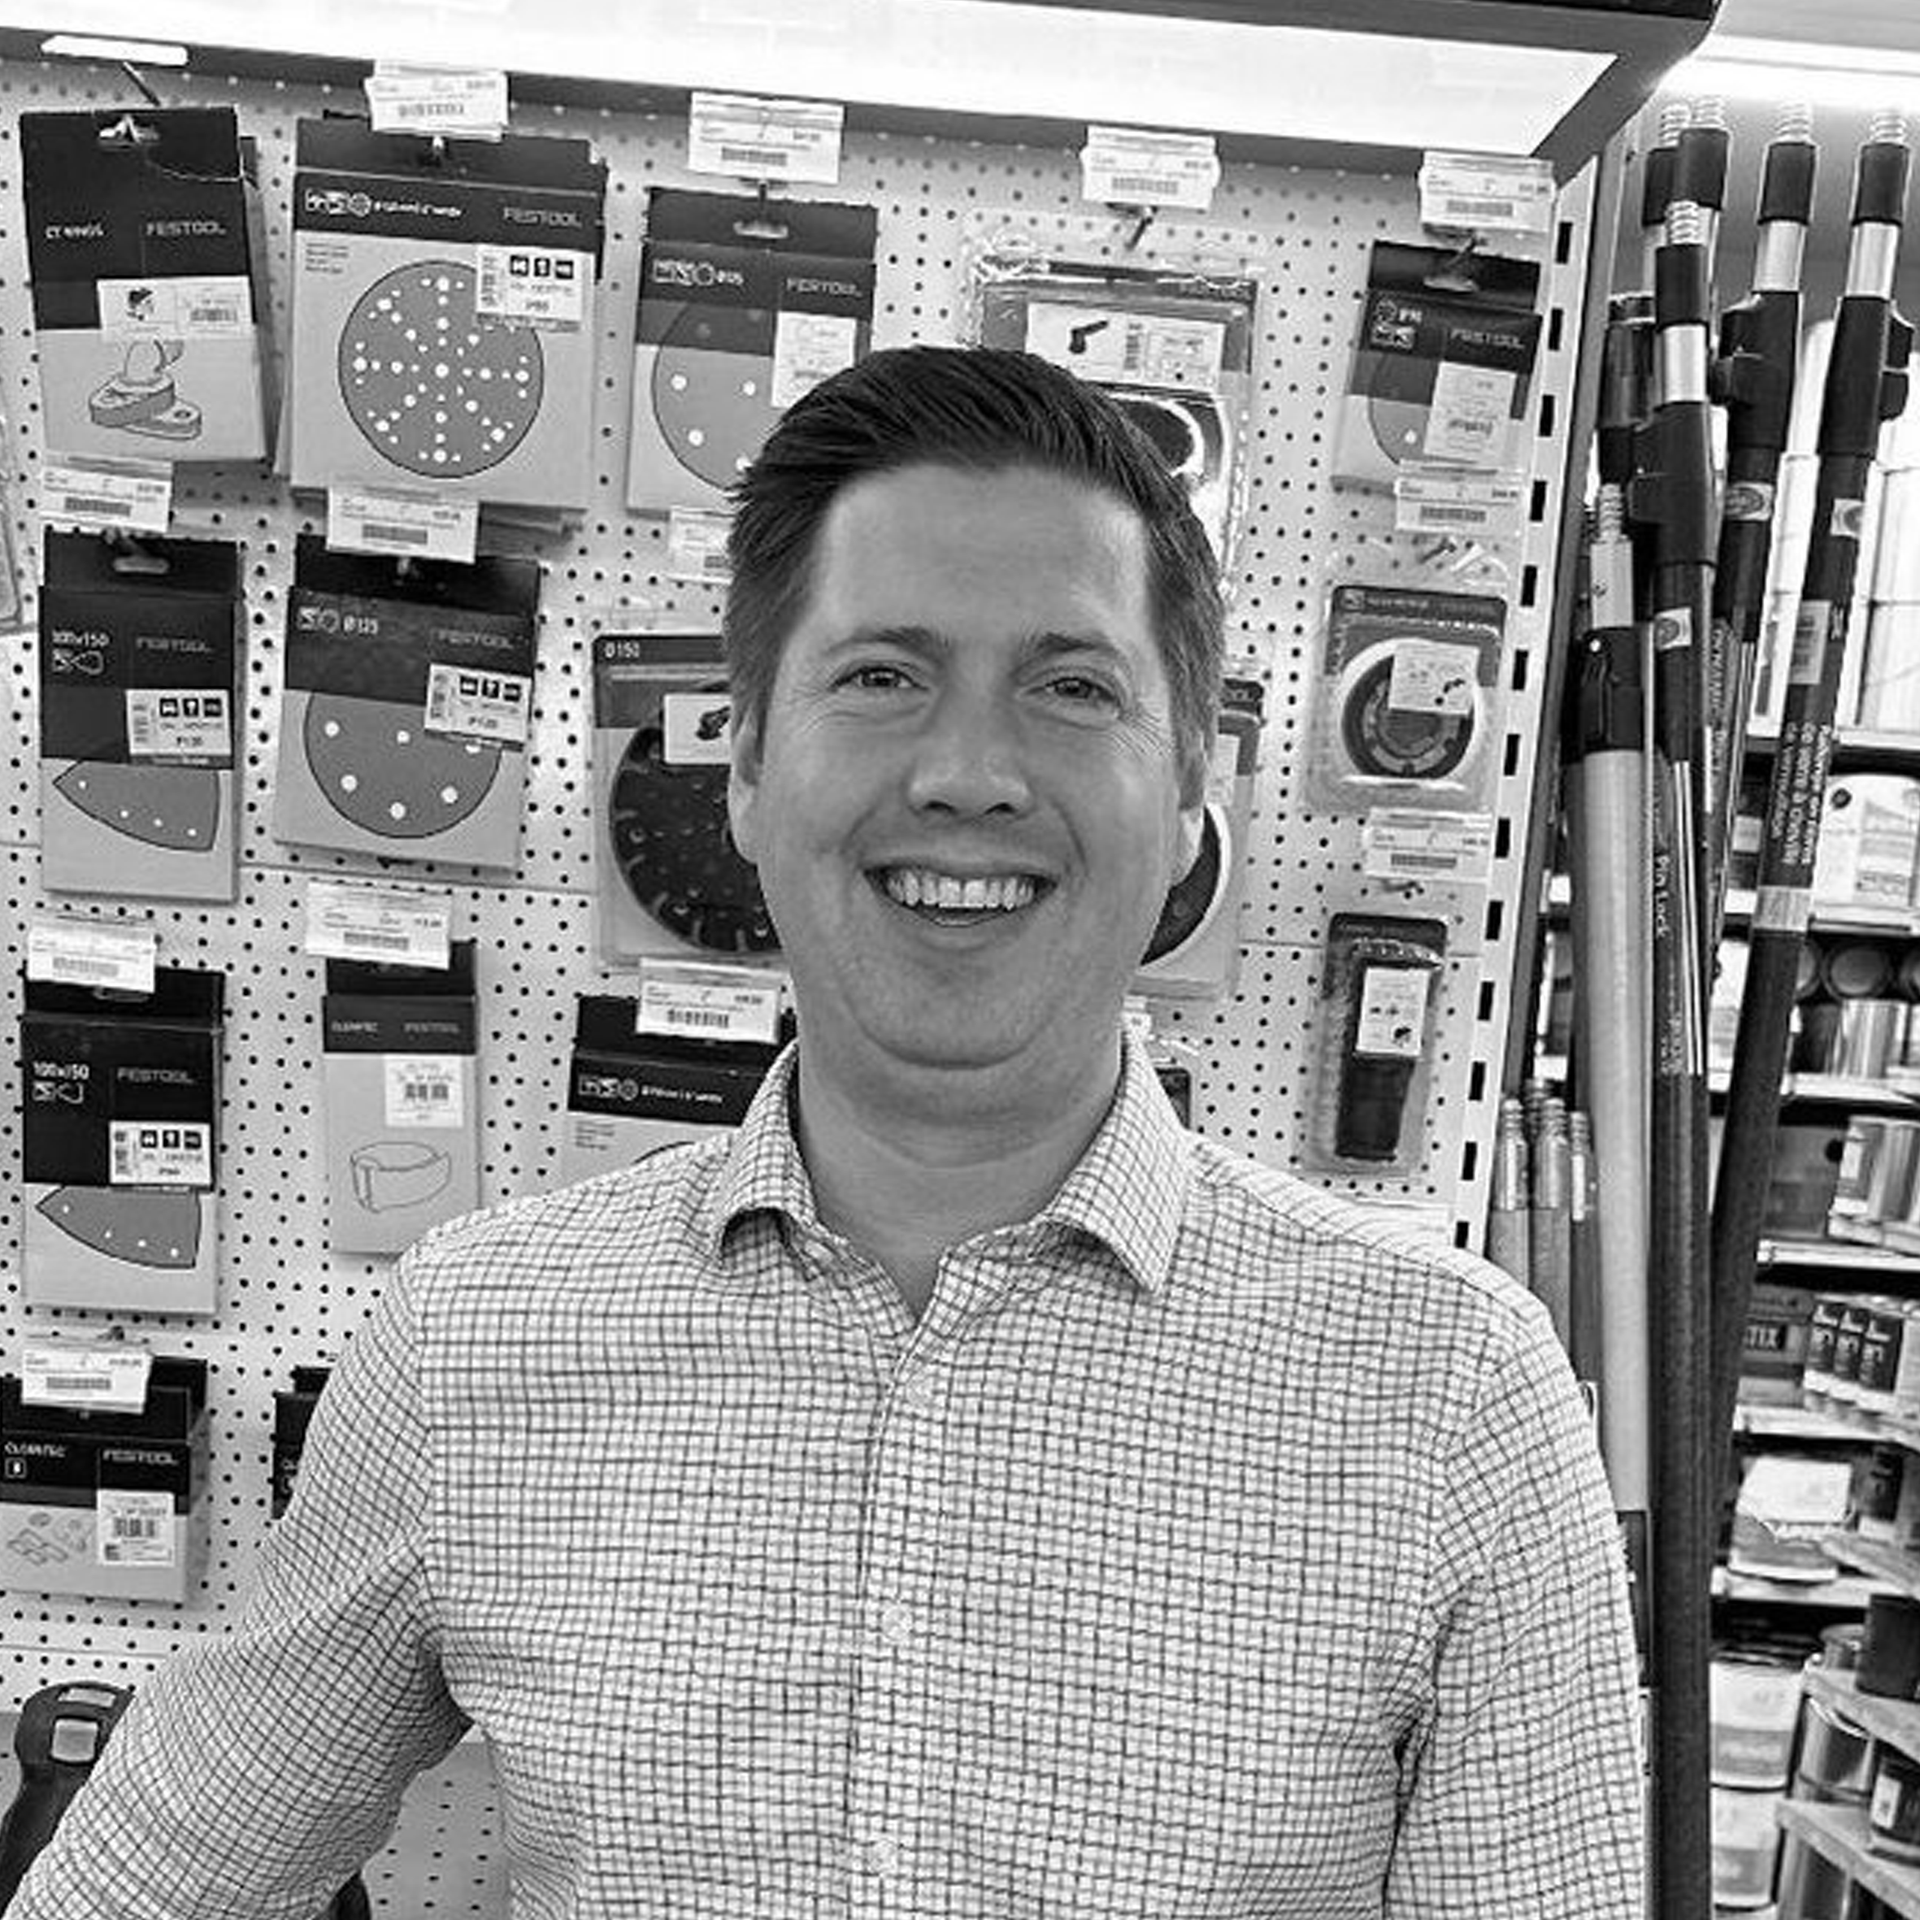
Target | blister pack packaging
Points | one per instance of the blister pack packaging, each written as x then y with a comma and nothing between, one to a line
744,305
120,1144
1173,344
405,708
671,881
442,330
143,247
139,696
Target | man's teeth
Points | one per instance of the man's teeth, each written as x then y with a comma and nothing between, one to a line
920,887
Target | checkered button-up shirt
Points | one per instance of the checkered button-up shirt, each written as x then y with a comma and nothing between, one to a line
1207,1550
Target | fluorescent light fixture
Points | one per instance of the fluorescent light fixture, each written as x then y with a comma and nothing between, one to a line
137,53
1863,79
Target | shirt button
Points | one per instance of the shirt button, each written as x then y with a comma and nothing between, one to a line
896,1624
884,1857
922,1392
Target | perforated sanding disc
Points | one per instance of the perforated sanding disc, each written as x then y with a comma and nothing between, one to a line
712,408
1192,902
668,826
380,768
145,1228
177,808
433,388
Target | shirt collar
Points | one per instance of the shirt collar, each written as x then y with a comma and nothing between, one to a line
1128,1191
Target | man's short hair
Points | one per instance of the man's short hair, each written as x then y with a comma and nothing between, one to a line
983,410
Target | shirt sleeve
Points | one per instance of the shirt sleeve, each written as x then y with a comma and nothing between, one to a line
1523,1793
256,1773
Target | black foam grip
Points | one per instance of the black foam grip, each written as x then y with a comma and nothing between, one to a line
1880,183
1786,184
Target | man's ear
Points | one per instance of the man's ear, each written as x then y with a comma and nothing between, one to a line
743,780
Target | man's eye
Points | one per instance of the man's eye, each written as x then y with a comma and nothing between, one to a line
875,677
1079,690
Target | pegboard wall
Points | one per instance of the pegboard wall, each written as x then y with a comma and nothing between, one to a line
284,1298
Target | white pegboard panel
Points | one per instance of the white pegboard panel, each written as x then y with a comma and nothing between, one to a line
284,1298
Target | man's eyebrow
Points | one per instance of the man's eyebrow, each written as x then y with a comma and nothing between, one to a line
931,644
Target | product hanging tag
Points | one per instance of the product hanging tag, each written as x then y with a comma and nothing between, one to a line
416,526
91,953
759,139
109,1375
101,494
1489,193
1131,166
469,703
350,920
1403,843
470,101
708,1002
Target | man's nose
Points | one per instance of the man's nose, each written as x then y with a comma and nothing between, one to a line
969,757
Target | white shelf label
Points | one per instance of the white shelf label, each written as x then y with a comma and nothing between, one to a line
697,546
757,139
416,526
197,307
475,703
471,101
1457,503
540,287
350,920
703,1002
1407,843
424,1090
66,1373
160,1153
1491,193
133,1527
131,496
179,723
1133,167
91,953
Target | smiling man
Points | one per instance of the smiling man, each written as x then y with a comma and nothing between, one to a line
962,1493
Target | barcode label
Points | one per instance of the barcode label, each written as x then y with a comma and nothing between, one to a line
91,953
146,1153
1486,191
1476,210
544,287
428,99
1439,501
393,520
85,966
425,1090
754,156
175,308
134,1528
471,703
393,534
65,1373
693,996
765,139
367,939
1409,840
347,918
714,1019
100,505
1138,167
1107,344
182,725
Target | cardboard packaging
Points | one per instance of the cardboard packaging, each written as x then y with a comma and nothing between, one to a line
630,1094
402,1100
404,713
112,1505
671,881
292,1414
139,699
143,246
744,305
120,1143
442,333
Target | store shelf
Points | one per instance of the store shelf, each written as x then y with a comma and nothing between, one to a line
1846,1593
1897,1722
1877,1262
1855,747
1840,1834
1762,1422
1901,1571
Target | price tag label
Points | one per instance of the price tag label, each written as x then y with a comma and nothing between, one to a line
685,997
1111,345
159,1153
419,526
1471,411
350,920
758,139
1457,503
193,725
697,729
91,953
1133,167
474,703
424,1090
541,287
1136,1015
807,347
198,307
697,546
1492,193
1404,843
1393,1012
135,496
68,1373
1430,676
133,1527
472,101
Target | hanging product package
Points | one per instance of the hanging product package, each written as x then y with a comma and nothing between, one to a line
1442,365
1408,705
144,251
670,877
442,317
406,706
744,305
1376,1018
402,1100
139,692
1173,345
119,1142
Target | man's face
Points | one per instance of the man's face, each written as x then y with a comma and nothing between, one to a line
964,805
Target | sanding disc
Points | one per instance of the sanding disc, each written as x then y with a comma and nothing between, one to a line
672,844
134,1224
433,388
380,768
1397,743
1399,426
1195,899
177,808
713,408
